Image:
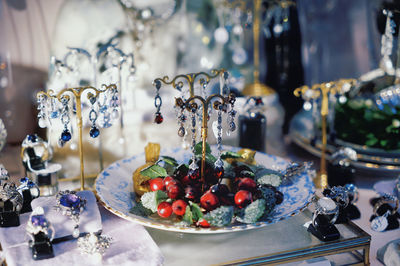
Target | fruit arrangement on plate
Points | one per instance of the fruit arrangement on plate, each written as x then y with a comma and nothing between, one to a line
239,192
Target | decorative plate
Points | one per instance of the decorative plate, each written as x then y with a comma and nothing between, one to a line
114,187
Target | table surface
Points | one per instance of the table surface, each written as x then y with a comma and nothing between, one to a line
10,158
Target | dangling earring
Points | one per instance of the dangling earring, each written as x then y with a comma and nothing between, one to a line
193,167
219,165
65,135
42,111
94,131
231,114
157,103
181,117
114,104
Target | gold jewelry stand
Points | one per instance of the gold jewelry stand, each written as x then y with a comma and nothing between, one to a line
77,93
323,91
257,88
190,103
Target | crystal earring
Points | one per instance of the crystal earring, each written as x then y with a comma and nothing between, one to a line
114,104
193,167
231,113
94,131
181,117
105,114
157,103
42,111
219,165
65,119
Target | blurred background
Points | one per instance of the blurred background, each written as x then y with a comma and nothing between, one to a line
301,42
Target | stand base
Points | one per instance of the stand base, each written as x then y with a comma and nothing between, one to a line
258,89
42,247
352,211
324,233
9,219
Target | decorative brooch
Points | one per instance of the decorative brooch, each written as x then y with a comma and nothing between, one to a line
71,205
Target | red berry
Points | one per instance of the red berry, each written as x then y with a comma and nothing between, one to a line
156,184
247,183
203,223
209,201
243,198
159,118
164,209
169,181
179,207
173,191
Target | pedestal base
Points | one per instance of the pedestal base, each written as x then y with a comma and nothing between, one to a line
324,233
9,219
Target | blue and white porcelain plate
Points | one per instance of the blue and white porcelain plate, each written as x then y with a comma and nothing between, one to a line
114,187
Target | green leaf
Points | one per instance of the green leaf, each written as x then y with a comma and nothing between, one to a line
188,217
196,211
198,148
154,171
169,160
140,210
230,154
150,200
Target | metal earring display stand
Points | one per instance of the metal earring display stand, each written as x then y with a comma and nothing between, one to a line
190,103
323,90
77,93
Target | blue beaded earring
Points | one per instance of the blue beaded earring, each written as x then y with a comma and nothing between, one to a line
65,119
94,131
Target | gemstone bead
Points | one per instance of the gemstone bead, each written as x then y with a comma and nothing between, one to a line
181,132
219,172
70,200
115,114
159,118
65,135
38,220
24,180
32,138
42,123
94,132
232,126
194,174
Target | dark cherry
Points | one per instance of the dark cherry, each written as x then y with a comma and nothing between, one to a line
278,197
209,201
181,171
219,189
173,191
243,198
156,184
247,183
179,207
164,209
159,118
228,199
